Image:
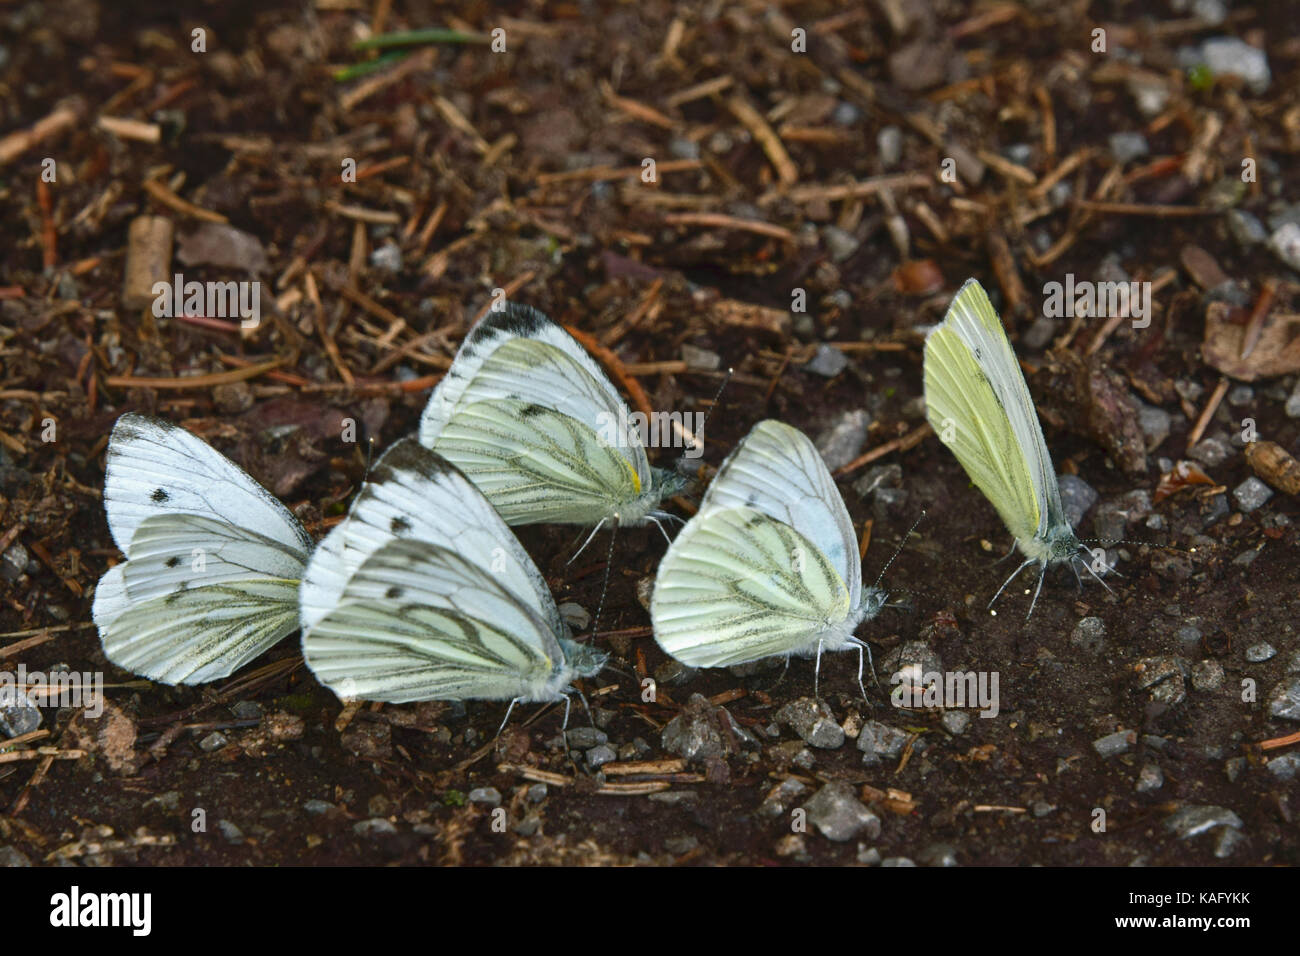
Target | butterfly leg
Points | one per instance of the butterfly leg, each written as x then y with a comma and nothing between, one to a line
594,532
1041,574
506,718
817,671
651,518
1014,575
1089,569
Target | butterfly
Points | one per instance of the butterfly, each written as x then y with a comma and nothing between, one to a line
768,566
423,593
212,564
532,420
979,405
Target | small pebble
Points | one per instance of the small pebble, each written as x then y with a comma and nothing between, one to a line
1251,494
827,362
1207,675
1150,778
955,722
1114,744
1258,653
489,795
376,826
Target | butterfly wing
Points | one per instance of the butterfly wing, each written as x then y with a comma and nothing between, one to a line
418,621
197,599
977,402
518,355
777,471
416,494
737,585
155,467
537,465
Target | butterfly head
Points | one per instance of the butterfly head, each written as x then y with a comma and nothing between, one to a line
583,660
873,600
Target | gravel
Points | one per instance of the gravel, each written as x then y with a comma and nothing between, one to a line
838,815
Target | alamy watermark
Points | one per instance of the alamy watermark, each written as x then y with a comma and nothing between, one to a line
61,689
213,300
951,690
658,430
1099,300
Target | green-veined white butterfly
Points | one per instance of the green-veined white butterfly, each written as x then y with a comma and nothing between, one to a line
979,405
532,420
768,566
423,593
212,559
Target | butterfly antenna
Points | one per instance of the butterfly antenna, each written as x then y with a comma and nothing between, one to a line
698,437
604,588
880,577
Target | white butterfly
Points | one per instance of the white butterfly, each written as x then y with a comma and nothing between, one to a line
768,566
213,559
423,593
978,404
531,419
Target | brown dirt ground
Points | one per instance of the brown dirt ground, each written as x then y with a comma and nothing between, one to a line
254,129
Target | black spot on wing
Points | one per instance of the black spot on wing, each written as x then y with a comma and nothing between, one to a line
394,593
532,410
399,525
514,321
173,561
160,495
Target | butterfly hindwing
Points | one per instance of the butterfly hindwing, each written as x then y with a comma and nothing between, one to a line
737,585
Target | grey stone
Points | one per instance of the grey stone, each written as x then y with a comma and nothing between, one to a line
1155,423
1211,451
13,564
780,797
584,738
1150,778
868,856
318,807
1215,510
489,795
1286,766
1260,652
387,258
897,861
1077,496
956,722
879,476
889,503
696,358
528,826
1207,675
695,733
1112,745
911,661
1164,677
231,832
1127,146
838,814
1241,395
1293,665
828,362
247,710
1229,840
1246,228
537,793
213,741
1150,93
845,114
1285,243
376,826
1039,333
10,856
1229,56
1191,821
1189,637
1284,701
222,247
1213,12
678,845
938,854
1251,494
1090,635
601,755
1234,767
18,715
889,146
813,721
840,245
879,741
841,441
1292,406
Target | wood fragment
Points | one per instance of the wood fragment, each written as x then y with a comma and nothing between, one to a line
131,129
148,259
1210,408
910,440
60,118
786,171
866,187
162,194
194,381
